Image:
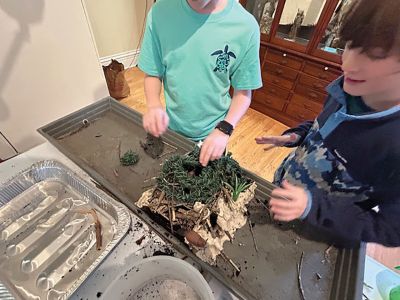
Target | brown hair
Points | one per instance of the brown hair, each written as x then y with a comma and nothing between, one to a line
371,24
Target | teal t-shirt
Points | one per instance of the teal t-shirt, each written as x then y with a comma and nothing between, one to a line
198,57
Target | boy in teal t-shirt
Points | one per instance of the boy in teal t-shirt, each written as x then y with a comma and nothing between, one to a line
198,49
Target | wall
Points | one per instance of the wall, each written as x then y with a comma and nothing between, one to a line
117,27
48,66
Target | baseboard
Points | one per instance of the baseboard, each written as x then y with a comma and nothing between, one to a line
128,59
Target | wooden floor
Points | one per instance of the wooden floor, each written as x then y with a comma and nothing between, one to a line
250,155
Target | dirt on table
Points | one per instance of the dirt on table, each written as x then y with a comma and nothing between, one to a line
153,146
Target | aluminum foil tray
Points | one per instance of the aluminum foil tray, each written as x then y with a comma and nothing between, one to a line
49,237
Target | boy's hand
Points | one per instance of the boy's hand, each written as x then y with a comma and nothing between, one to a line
155,121
292,206
213,147
278,141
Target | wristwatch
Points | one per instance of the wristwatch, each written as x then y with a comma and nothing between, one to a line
225,127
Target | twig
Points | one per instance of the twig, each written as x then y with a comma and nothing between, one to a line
116,173
148,179
147,186
299,265
230,261
173,213
327,253
229,236
97,225
252,235
119,150
160,198
227,195
170,215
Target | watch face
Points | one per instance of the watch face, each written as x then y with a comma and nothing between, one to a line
225,127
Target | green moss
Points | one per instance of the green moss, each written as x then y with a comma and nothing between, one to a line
186,180
130,158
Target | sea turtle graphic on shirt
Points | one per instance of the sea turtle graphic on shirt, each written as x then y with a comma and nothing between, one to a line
223,59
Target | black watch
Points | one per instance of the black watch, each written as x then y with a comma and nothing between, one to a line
225,127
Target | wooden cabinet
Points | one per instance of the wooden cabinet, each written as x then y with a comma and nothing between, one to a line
299,53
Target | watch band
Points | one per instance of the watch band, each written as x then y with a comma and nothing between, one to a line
225,127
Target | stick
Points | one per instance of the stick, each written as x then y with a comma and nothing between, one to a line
230,261
170,216
97,225
299,265
173,213
327,252
119,150
252,234
148,179
229,236
116,173
147,186
160,198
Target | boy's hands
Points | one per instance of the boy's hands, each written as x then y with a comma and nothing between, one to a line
213,147
292,206
278,141
155,121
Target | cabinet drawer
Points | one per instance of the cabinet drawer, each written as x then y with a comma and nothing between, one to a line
307,104
282,82
275,91
269,100
280,71
316,84
284,59
310,94
321,71
300,113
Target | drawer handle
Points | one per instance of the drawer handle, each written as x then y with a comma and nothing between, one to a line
284,62
284,54
268,101
301,116
326,69
322,76
313,95
279,71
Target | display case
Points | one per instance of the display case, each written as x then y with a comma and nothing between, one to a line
300,55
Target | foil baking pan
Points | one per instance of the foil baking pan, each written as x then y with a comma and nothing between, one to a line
55,229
